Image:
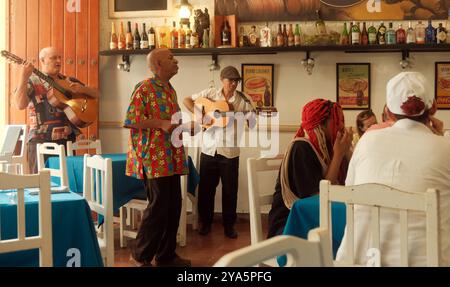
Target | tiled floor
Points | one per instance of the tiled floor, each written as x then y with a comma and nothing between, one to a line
203,251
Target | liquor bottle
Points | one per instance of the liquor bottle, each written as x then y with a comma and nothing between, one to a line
151,38
410,34
291,39
136,38
266,36
181,37
344,35
400,35
320,24
441,34
129,38
350,33
285,36
297,36
205,42
195,43
372,34
356,34
226,34
144,38
390,35
420,33
448,31
381,35
364,35
122,42
188,36
174,36
430,34
243,39
280,39
114,42
253,37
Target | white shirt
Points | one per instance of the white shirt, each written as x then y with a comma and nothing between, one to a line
223,140
406,156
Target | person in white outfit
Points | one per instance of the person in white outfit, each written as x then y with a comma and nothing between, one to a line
412,156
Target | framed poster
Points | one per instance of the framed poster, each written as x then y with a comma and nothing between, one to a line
257,82
140,8
353,85
442,85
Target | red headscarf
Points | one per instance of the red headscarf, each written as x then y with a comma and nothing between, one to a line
314,114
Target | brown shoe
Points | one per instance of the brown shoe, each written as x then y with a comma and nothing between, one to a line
177,261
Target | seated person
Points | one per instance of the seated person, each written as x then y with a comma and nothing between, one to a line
417,160
364,121
317,152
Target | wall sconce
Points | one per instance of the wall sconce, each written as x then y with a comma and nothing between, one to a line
184,12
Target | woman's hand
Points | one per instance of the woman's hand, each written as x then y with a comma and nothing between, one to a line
343,143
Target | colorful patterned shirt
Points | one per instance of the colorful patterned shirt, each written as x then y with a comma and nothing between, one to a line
47,123
151,150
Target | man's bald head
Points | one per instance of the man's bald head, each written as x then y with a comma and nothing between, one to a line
154,57
46,51
50,60
162,63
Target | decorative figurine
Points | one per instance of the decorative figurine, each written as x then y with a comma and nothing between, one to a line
201,23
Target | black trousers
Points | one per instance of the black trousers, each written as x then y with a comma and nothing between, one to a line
157,235
213,169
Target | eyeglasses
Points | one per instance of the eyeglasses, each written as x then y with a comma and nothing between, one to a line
237,81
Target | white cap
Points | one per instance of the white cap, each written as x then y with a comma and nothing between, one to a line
408,94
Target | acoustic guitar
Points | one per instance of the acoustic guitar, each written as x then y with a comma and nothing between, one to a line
80,109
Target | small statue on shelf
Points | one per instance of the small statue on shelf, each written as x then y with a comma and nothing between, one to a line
201,23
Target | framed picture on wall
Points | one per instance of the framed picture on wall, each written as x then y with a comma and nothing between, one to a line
140,8
353,85
257,82
442,85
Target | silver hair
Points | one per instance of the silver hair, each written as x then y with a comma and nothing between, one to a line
44,52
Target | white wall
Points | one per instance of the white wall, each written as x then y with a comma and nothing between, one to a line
293,88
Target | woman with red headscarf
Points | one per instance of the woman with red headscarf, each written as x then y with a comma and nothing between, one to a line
317,152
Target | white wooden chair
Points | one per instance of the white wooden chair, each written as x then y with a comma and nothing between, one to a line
13,135
5,159
43,240
378,196
314,252
72,147
53,149
97,190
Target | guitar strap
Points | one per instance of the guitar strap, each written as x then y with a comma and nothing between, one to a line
244,97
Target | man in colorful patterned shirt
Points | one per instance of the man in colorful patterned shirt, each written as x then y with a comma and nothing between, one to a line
153,158
47,123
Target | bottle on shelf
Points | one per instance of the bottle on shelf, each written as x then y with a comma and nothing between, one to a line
285,36
266,36
297,36
226,34
280,38
195,43
430,33
174,36
205,42
381,35
122,41
448,31
291,39
151,38
320,24
136,38
350,33
129,38
390,35
181,37
364,35
400,35
410,34
253,38
356,34
163,35
188,36
144,37
441,34
344,35
113,42
420,33
372,34
243,40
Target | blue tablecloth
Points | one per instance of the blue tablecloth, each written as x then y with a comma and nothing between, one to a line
305,215
72,228
125,187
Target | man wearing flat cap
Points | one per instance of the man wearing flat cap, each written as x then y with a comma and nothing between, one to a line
412,156
220,154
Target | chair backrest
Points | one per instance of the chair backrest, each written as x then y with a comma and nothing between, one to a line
53,149
378,196
300,252
10,137
21,157
5,158
97,190
84,145
256,200
43,240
